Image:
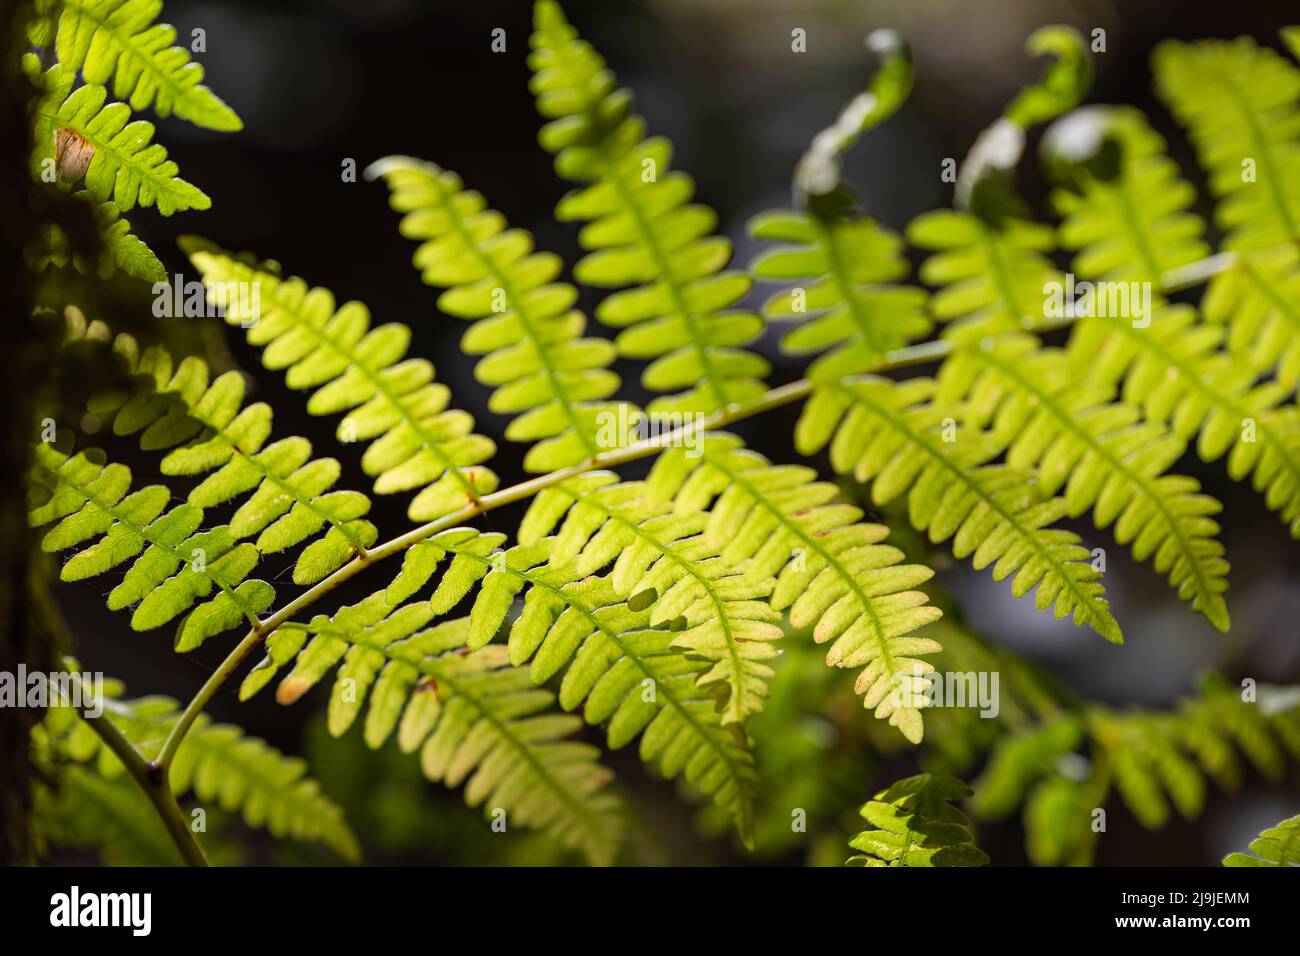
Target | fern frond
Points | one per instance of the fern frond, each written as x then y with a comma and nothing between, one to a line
845,268
1239,102
662,560
1266,729
913,823
832,572
1126,215
642,231
613,645
180,565
1258,299
1171,365
990,277
118,40
545,373
416,441
1066,767
122,249
217,763
127,168
112,816
1158,758
1021,759
1104,458
1173,370
1277,846
473,717
888,434
631,677
211,432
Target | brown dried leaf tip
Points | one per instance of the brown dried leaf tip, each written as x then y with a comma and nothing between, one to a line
72,155
290,689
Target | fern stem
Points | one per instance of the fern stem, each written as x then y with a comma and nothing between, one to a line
152,779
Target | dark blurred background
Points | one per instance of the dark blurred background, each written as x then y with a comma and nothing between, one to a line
318,82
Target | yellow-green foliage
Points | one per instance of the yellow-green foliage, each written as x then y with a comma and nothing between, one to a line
912,823
654,604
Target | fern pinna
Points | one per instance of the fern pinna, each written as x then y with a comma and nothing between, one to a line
653,603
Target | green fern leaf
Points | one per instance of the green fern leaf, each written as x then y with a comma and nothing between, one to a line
127,168
1101,454
416,441
118,40
642,231
211,432
1173,370
885,433
567,616
1125,215
122,249
1257,298
474,718
844,268
1239,102
1149,766
1170,364
630,676
831,572
991,277
661,560
1277,846
913,823
1019,760
268,789
548,375
1156,762
179,565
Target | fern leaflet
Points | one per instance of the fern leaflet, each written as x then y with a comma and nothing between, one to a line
416,441
831,572
643,231
887,434
845,267
180,564
473,717
1100,453
126,168
991,276
662,560
545,373
913,823
118,40
1257,298
1125,211
1173,371
1277,846
1239,101
1152,759
217,762
121,248
211,432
